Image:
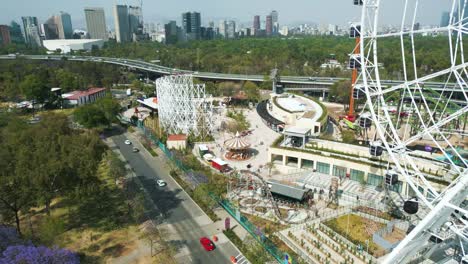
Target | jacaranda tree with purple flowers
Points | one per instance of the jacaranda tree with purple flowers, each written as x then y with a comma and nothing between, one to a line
32,255
14,250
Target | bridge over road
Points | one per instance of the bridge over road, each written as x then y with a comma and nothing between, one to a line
289,83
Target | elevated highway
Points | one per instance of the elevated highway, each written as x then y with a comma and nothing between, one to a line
291,83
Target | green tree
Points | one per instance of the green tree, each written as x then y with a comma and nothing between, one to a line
266,84
90,116
34,88
101,113
110,107
16,191
252,92
116,166
341,92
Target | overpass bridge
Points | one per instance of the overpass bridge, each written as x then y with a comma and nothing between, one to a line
289,83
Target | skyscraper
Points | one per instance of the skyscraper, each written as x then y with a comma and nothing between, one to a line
256,25
191,23
31,31
5,38
15,33
64,25
170,30
96,23
135,22
49,28
269,25
222,28
231,29
121,21
275,23
445,19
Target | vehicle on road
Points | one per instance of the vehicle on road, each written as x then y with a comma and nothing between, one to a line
207,244
128,142
161,183
135,150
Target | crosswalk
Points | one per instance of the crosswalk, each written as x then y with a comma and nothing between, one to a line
241,259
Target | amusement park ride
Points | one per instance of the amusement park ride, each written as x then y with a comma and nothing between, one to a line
439,214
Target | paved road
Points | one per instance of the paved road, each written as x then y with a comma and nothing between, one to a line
184,222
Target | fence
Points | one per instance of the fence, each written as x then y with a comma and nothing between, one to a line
295,248
253,230
347,242
378,237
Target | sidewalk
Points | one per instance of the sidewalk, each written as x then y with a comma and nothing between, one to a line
207,226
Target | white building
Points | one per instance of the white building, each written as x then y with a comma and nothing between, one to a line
284,31
67,45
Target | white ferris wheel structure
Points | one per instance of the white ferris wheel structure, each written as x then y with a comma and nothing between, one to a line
411,113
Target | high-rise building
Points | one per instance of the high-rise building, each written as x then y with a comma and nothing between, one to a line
64,25
121,22
222,28
274,20
31,31
191,24
445,19
96,22
170,30
135,18
5,38
269,25
256,23
15,33
274,16
231,29
49,28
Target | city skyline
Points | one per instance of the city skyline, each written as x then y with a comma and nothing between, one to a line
289,14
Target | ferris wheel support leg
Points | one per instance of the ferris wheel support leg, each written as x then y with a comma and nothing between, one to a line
431,223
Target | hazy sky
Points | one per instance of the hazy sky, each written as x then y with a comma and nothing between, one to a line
290,12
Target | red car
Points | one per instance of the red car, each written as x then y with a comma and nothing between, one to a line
207,244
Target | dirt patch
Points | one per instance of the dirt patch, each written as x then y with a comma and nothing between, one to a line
395,236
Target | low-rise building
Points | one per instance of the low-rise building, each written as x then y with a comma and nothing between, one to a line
348,161
67,45
299,111
177,141
77,98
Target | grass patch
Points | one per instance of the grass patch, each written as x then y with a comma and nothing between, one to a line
356,229
100,224
150,150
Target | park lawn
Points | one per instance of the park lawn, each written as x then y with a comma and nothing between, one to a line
98,226
360,230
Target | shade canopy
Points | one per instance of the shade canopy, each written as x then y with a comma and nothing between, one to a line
236,143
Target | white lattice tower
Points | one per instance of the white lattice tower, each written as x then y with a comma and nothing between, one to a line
183,106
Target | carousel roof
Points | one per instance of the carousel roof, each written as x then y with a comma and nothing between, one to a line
236,143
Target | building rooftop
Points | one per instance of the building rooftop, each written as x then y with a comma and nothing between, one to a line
75,95
290,191
69,41
297,130
298,104
179,137
151,102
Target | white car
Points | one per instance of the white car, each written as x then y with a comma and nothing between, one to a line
161,183
128,142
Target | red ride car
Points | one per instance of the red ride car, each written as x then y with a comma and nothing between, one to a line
207,244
